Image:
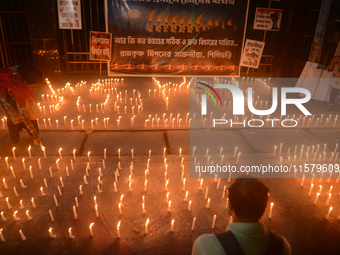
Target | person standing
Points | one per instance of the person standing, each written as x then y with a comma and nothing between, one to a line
247,235
335,81
17,86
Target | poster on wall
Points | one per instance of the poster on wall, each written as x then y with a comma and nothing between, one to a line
69,14
159,38
267,19
252,54
100,46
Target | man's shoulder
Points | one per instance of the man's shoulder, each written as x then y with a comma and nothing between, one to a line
207,244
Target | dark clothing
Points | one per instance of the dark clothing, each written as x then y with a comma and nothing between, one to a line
14,129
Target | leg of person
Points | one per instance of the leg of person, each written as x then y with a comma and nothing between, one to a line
332,97
13,130
35,125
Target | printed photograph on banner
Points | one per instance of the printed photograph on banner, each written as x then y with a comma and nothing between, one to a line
267,19
69,14
252,54
100,45
158,38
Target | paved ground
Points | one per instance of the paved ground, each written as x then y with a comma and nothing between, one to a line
294,214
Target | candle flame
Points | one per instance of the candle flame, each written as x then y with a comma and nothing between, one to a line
151,14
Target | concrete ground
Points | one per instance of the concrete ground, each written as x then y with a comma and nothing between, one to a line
86,141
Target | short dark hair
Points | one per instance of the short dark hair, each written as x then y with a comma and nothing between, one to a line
30,74
248,198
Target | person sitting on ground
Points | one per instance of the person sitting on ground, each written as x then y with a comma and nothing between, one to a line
248,199
17,84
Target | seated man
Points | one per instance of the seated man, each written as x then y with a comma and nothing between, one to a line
248,199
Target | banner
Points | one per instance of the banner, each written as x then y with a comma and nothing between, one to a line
252,53
100,46
181,37
69,14
267,19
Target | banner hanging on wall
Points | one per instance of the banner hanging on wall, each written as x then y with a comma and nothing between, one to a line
192,38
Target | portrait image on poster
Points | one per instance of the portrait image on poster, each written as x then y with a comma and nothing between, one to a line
159,38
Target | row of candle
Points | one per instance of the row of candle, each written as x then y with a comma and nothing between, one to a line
189,206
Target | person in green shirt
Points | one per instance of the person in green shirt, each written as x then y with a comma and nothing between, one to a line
248,199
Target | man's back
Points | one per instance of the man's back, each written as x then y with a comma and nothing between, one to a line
252,237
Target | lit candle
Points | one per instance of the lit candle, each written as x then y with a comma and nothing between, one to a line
61,182
91,231
88,155
51,233
316,198
172,225
57,164
119,154
186,196
146,226
303,180
42,191
59,191
184,184
189,206
271,210
201,184
208,203
329,213
143,208
13,152
80,189
15,216
8,204
28,215
29,151
145,185
5,184
75,215
15,192
2,236
310,190
121,199
31,172
22,235
55,201
214,221
118,229
70,235
74,154
167,197
60,156
3,216
328,199
96,210
21,205
51,215
6,160
206,193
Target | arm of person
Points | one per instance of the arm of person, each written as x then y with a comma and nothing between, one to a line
36,137
331,65
287,249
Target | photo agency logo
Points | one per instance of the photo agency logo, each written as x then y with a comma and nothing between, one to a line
238,106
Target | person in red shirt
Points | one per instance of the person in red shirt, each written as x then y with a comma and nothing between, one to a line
17,86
